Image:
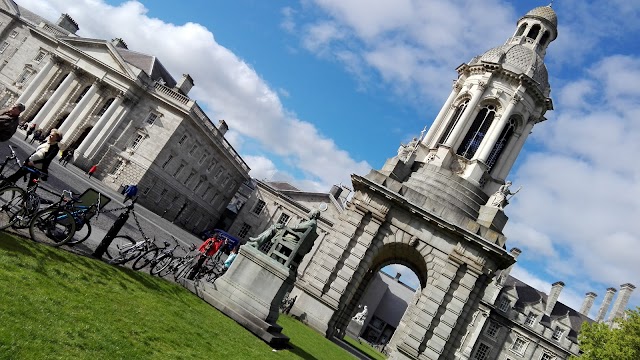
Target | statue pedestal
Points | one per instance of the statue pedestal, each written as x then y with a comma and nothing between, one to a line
492,217
354,329
250,292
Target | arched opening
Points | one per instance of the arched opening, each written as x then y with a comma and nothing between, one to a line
477,132
521,29
503,140
453,121
388,290
80,139
62,78
533,33
544,38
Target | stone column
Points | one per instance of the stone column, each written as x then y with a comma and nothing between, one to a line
476,96
99,125
106,131
38,81
84,111
80,106
433,130
476,329
495,130
47,110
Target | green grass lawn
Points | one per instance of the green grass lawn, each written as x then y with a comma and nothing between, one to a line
57,305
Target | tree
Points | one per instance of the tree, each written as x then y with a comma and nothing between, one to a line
599,341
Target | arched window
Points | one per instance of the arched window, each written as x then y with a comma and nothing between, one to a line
478,130
503,140
544,38
533,33
105,107
453,121
521,29
82,94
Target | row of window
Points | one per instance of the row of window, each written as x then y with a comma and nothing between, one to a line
483,351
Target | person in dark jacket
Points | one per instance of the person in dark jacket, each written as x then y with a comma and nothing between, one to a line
9,121
39,159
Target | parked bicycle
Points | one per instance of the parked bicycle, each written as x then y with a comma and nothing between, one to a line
169,263
152,256
18,205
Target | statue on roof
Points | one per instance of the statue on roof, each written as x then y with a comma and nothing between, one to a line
500,198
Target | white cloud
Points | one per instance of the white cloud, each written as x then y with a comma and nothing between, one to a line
231,89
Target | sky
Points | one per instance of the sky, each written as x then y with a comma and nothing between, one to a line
316,90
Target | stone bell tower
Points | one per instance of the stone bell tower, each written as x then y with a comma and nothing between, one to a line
433,206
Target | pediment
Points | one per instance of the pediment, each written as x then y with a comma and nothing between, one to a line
102,51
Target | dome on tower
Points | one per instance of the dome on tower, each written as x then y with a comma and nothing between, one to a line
544,12
520,60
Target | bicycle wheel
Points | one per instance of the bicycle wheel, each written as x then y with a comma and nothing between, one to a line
31,208
159,267
82,234
123,249
53,226
183,271
11,205
145,259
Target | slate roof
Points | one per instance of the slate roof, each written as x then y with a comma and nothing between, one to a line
280,185
149,64
36,19
529,295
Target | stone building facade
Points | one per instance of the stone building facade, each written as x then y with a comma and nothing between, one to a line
122,110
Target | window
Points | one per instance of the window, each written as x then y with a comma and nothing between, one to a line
193,149
162,194
105,107
147,190
118,167
195,189
82,94
4,47
482,352
24,76
477,132
212,165
13,34
258,208
233,185
502,142
557,333
182,139
504,304
283,219
135,144
220,171
531,319
175,174
167,161
244,230
41,54
492,329
547,356
519,346
226,180
203,157
188,178
151,119
452,123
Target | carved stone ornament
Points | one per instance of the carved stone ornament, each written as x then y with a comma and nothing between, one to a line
458,165
413,242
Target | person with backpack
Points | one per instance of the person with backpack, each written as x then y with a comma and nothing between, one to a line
9,121
130,192
39,159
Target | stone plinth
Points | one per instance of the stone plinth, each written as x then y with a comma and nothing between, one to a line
354,329
492,217
250,292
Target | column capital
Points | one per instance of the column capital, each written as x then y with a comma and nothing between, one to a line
481,85
57,59
457,86
516,99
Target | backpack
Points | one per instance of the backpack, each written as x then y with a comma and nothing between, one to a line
8,126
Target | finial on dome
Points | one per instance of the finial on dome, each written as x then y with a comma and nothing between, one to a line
551,3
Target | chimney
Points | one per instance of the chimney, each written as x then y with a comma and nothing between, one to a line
119,43
185,84
554,294
67,23
588,303
617,311
605,304
397,278
223,127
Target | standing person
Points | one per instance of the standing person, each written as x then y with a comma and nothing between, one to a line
93,169
36,135
39,159
231,257
208,248
130,192
9,121
30,131
67,157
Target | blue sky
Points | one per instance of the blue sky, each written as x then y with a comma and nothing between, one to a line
315,90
